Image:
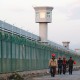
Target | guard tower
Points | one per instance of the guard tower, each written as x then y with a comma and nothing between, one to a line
66,44
43,15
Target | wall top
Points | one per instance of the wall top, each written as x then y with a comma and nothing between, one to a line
43,7
65,42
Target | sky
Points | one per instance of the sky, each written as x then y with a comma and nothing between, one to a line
65,24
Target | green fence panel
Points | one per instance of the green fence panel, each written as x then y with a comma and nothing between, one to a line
4,57
33,58
17,57
21,58
13,61
27,59
8,47
24,58
0,58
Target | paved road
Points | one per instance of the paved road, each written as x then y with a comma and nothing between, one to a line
74,76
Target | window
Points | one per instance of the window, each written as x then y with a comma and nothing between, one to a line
37,14
48,14
65,46
42,14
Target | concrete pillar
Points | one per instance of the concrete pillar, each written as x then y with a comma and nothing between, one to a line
43,31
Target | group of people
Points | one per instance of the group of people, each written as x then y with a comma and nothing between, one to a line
62,64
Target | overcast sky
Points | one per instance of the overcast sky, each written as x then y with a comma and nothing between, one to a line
65,24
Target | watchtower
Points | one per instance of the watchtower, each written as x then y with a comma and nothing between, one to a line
66,44
43,16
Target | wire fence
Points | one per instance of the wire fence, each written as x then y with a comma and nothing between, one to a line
17,53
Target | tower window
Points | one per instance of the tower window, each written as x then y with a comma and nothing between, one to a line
48,14
37,14
65,46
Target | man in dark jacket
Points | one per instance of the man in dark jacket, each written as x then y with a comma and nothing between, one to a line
70,64
60,65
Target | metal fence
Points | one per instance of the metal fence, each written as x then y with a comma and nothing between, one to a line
20,54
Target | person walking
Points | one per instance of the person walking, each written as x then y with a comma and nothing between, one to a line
70,65
60,63
64,65
53,65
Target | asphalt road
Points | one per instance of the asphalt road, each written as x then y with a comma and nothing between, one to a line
74,76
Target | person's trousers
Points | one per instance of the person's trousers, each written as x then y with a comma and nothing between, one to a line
70,69
53,71
59,69
64,69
